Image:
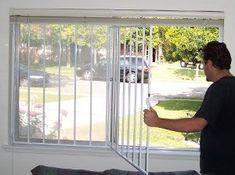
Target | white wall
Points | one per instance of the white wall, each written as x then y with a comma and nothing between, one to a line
19,161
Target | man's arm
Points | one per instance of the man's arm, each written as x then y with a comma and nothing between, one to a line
152,119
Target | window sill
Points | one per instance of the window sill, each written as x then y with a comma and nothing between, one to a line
65,150
191,154
98,151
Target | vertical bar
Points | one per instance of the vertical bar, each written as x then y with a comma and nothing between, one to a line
113,89
75,86
15,82
129,97
91,84
113,128
28,69
142,89
108,89
59,88
135,96
15,89
118,83
149,91
123,90
44,64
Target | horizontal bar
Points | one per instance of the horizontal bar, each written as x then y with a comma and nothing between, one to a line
118,21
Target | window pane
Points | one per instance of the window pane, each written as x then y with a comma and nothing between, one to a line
62,79
178,87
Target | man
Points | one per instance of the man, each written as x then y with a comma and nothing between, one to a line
216,116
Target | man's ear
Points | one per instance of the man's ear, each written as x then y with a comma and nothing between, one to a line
211,65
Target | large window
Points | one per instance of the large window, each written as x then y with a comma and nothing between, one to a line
84,81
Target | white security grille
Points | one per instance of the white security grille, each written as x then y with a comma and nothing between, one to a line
56,89
130,136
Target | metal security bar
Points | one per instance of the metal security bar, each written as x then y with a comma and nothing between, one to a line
131,136
53,102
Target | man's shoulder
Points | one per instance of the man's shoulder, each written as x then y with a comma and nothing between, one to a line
224,81
220,85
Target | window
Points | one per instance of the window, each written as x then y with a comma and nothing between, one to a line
84,81
51,93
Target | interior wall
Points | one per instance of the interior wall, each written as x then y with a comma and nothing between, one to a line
18,161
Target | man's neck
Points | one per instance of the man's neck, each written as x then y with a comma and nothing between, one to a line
222,73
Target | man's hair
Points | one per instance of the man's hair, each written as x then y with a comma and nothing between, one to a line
218,53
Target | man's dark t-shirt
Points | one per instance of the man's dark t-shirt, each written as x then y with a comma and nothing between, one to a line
217,144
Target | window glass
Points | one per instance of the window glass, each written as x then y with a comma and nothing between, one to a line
62,73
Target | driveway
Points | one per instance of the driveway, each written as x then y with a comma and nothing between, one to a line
181,89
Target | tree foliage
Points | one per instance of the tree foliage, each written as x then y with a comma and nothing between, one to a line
185,43
178,43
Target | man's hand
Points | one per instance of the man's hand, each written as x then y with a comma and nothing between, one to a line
151,117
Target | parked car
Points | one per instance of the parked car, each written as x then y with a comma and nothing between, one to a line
192,62
35,78
128,64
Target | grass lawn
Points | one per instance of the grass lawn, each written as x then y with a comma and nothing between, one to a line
158,137
166,71
161,137
64,70
173,109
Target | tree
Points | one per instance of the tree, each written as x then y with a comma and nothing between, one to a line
58,37
185,43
